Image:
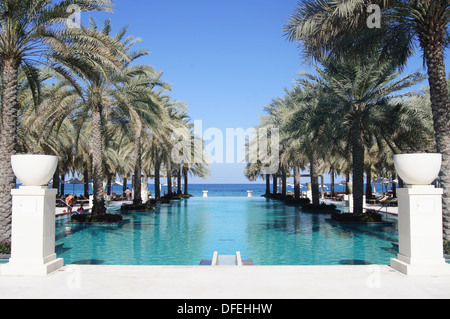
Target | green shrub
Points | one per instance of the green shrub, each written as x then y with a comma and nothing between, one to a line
319,208
447,247
106,218
371,216
5,248
172,197
300,201
149,206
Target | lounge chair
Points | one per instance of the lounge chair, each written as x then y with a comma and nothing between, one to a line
383,199
390,201
393,202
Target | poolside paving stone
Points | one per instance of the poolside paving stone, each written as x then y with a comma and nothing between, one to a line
200,282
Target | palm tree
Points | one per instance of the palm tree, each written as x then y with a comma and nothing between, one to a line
339,28
31,32
298,123
96,84
359,88
254,168
196,165
137,98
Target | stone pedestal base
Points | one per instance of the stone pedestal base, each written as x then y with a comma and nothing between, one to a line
434,268
32,233
349,202
421,250
30,268
309,195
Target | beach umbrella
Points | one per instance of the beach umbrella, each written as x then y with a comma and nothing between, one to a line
343,183
382,181
74,181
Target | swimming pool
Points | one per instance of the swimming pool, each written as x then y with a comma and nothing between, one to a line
265,231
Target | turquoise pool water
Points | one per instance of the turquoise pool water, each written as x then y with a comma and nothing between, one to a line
267,232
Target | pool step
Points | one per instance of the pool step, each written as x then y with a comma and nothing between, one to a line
227,260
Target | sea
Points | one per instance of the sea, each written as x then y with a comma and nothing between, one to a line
214,190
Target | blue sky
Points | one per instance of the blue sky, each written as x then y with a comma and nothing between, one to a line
225,59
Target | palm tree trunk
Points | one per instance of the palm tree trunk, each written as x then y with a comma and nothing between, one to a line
358,166
283,182
185,173
8,133
86,181
137,199
55,184
369,194
394,186
157,177
332,175
267,184
169,177
124,187
314,179
275,184
97,161
63,184
179,189
432,42
108,183
347,180
432,37
296,182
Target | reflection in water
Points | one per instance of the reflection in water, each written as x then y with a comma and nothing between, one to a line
188,231
286,235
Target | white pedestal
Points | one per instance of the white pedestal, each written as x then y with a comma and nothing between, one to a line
349,202
144,193
107,200
33,233
420,232
250,193
309,195
205,194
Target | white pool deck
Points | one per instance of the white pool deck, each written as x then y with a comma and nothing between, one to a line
225,282
258,282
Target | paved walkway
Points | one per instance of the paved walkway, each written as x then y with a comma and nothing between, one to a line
175,282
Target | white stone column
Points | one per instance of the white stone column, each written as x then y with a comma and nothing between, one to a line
144,192
348,199
420,232
250,193
309,192
205,194
32,233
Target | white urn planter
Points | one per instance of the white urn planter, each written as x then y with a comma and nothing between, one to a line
33,218
418,169
420,225
34,170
